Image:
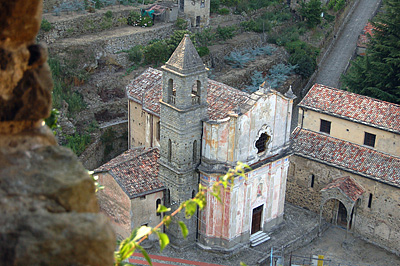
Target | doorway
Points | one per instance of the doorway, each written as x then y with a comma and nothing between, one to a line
182,5
256,220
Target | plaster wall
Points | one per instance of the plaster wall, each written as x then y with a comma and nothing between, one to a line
386,141
377,224
115,204
234,138
143,127
228,224
143,211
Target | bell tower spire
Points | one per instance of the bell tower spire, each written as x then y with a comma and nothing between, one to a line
183,108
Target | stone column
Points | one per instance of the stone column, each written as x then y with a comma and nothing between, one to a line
48,207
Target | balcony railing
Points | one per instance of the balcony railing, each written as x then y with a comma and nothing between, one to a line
172,99
195,99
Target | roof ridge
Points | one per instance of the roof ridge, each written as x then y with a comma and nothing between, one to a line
358,145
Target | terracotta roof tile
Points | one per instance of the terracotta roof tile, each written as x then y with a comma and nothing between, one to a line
363,38
147,90
354,107
346,155
136,171
348,186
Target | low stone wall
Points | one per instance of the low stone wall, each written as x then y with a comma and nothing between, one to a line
81,24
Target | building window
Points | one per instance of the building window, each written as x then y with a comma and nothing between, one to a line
370,200
312,180
169,150
196,92
261,143
171,92
325,126
195,151
158,131
369,139
158,203
203,3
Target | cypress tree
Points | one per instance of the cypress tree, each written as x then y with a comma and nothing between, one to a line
378,73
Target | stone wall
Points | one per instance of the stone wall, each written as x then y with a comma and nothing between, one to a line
72,25
48,206
377,224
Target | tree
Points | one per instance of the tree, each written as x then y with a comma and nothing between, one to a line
378,73
311,11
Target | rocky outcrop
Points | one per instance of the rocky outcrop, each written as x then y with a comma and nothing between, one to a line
48,207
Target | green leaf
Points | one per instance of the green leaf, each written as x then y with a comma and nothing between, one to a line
146,256
142,231
167,220
243,264
190,208
161,208
184,229
164,240
201,203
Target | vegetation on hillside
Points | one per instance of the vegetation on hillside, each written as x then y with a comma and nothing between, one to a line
377,74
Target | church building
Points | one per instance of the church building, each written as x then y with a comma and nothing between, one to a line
202,128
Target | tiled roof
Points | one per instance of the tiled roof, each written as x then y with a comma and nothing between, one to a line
347,156
363,39
354,107
136,171
348,186
146,89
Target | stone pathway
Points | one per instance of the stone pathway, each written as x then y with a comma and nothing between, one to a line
335,63
300,226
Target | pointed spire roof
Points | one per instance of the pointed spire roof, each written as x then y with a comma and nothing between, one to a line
185,58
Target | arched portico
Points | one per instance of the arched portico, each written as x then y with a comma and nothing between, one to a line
345,190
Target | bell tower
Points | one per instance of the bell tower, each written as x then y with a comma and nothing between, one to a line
183,108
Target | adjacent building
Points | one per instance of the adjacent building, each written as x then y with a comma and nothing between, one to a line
346,163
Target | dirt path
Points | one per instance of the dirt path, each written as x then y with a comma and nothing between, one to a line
336,62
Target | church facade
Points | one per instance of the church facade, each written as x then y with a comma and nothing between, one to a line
202,128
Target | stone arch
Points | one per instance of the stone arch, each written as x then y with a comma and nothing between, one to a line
171,91
196,92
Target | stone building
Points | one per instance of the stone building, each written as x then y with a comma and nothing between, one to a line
198,11
346,163
202,128
132,192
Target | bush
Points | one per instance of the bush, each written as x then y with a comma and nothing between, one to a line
133,18
258,25
214,6
204,37
304,56
223,11
311,11
226,33
135,54
46,25
238,59
108,14
181,24
156,53
203,51
78,143
278,74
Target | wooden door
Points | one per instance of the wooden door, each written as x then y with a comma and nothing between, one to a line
256,221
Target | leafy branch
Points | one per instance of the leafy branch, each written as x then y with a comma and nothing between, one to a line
130,244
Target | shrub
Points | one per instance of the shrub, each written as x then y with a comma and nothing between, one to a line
214,6
203,51
226,33
108,14
78,142
133,18
339,5
304,56
156,53
205,37
311,11
223,11
238,59
135,54
181,24
46,25
258,25
278,74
